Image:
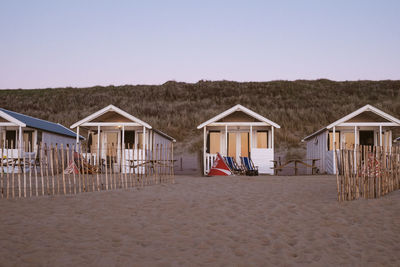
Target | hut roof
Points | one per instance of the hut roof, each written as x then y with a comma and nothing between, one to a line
243,109
28,121
377,114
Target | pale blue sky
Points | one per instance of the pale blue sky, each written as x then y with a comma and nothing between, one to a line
85,43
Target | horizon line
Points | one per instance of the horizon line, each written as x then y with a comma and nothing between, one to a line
202,80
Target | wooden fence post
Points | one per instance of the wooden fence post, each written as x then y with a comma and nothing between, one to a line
40,151
13,172
30,168
8,173
19,167
172,157
2,169
23,165
68,165
56,167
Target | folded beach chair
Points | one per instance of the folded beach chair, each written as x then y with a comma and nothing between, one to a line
235,168
249,167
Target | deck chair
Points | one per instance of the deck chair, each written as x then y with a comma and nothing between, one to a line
235,168
249,167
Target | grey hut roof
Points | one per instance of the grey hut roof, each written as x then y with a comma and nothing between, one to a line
40,124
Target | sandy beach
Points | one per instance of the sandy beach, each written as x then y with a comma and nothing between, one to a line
240,221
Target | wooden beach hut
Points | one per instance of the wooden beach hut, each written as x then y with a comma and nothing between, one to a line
114,133
21,133
366,126
237,132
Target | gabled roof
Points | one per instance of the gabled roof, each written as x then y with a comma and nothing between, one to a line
239,107
28,121
365,108
108,109
361,110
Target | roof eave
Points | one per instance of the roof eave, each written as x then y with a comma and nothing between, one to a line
314,134
165,135
361,110
12,119
110,108
238,107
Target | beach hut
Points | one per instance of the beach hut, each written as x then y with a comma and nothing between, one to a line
20,133
114,133
237,132
367,126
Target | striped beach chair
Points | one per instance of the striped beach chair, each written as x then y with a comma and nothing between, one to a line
249,167
235,168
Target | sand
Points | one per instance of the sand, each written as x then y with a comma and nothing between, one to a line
239,221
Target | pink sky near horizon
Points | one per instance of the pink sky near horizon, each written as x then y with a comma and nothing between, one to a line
87,43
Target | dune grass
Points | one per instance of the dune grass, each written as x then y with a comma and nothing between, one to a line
300,107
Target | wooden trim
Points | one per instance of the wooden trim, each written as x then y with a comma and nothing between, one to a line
372,124
11,119
238,124
272,138
5,124
111,124
204,149
251,139
107,109
226,140
238,107
341,121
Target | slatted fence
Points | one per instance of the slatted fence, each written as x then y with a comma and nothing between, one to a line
367,172
62,169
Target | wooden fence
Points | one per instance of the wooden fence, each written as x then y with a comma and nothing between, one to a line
62,170
367,172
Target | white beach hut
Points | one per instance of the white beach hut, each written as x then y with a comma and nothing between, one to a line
22,133
237,132
367,126
114,132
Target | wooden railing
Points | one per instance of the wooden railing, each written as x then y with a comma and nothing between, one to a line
209,160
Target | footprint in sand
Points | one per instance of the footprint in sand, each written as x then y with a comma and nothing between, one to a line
292,242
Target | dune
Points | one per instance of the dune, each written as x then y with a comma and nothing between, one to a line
217,221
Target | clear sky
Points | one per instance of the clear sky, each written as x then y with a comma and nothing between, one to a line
84,43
